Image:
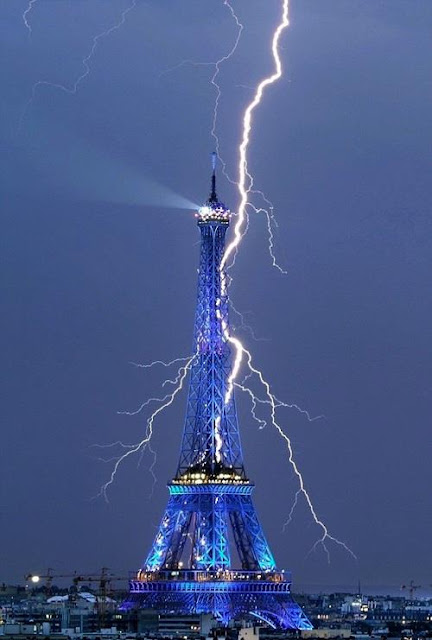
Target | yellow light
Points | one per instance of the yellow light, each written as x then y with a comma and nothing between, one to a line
35,579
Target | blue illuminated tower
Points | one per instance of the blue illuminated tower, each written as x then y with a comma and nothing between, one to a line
210,554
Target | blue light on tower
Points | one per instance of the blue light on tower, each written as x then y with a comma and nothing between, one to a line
210,514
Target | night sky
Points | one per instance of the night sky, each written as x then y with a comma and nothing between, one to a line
99,254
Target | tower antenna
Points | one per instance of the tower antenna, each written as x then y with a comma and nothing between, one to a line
213,196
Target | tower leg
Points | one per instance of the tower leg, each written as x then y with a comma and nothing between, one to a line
171,537
250,539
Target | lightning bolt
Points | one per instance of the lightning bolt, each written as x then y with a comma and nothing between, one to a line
245,188
216,85
85,61
247,125
245,180
151,469
273,403
174,382
268,211
25,17
150,365
144,443
271,224
123,445
254,401
216,65
278,403
243,324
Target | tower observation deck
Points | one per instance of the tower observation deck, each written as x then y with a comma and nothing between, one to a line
210,554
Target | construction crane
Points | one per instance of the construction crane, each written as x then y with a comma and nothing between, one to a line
104,580
49,577
411,588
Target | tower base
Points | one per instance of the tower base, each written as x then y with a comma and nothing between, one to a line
266,596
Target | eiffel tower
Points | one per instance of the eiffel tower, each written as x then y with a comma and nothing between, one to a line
210,554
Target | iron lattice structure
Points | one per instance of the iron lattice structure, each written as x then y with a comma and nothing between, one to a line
210,524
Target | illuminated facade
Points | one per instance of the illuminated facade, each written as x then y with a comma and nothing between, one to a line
210,526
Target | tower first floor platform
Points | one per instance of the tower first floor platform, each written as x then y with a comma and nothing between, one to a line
226,595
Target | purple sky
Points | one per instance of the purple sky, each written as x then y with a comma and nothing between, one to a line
99,256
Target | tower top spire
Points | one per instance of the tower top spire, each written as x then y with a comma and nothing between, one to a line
213,195
213,211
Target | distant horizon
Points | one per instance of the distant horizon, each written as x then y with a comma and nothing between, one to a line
371,590
421,593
